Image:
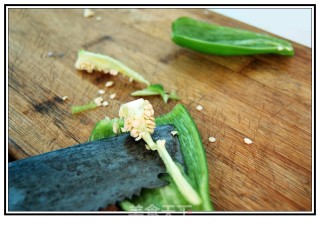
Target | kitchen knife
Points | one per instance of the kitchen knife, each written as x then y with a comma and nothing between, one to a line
89,176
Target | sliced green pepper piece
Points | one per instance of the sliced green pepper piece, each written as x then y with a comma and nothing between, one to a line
219,40
156,89
92,61
169,198
81,108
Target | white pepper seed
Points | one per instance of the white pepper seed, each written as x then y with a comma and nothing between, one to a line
199,107
247,141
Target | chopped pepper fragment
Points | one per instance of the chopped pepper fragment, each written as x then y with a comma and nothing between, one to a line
81,108
92,61
156,89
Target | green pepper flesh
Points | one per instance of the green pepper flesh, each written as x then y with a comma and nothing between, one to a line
219,40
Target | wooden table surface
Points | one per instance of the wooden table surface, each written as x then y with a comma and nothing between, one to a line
266,98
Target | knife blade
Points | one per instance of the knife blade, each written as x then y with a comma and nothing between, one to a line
89,176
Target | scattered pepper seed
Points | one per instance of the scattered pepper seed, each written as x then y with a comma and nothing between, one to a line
247,141
98,18
199,107
98,101
52,54
112,96
212,139
88,13
174,132
105,103
64,98
101,91
109,83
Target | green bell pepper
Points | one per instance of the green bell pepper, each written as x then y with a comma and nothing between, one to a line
219,40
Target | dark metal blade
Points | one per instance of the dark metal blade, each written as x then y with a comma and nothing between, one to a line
88,176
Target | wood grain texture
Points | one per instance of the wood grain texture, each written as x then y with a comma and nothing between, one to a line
264,97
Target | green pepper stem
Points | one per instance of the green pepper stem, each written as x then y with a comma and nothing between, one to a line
183,185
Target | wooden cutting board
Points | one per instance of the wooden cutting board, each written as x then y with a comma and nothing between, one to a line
266,98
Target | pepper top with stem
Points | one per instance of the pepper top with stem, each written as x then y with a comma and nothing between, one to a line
139,120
